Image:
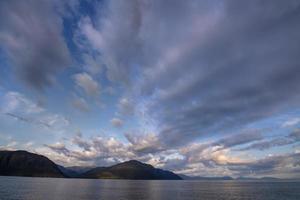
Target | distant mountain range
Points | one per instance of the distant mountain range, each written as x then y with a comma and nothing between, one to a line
75,171
23,163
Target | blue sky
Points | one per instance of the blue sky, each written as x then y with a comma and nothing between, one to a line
197,87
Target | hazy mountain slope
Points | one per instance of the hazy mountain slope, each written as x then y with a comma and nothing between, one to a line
74,171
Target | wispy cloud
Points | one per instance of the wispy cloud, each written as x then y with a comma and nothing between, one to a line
17,106
292,138
90,86
80,104
28,120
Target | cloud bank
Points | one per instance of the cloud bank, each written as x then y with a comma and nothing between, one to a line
201,67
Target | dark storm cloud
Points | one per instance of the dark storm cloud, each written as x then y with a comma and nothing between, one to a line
31,36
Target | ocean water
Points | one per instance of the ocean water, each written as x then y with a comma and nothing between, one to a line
15,188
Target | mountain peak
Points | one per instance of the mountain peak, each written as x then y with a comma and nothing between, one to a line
134,162
132,169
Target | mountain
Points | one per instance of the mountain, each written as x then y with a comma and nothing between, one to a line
23,163
131,170
74,171
185,177
80,169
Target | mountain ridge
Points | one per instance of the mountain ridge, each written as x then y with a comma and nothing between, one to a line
131,169
23,163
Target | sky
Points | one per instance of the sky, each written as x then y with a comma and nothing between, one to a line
202,88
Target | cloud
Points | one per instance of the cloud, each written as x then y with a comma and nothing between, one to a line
295,135
148,148
93,37
115,58
269,144
116,122
292,138
91,60
80,104
126,106
28,120
110,90
214,161
28,145
31,36
195,149
92,63
59,148
79,141
95,151
16,102
49,121
87,83
239,139
55,121
10,146
194,159
99,150
186,70
221,159
17,106
218,152
291,122
288,163
143,144
215,67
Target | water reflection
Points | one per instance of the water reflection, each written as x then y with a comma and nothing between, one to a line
73,189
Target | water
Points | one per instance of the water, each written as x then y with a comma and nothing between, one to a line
15,188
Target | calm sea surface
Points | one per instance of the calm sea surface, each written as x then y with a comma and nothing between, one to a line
73,189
